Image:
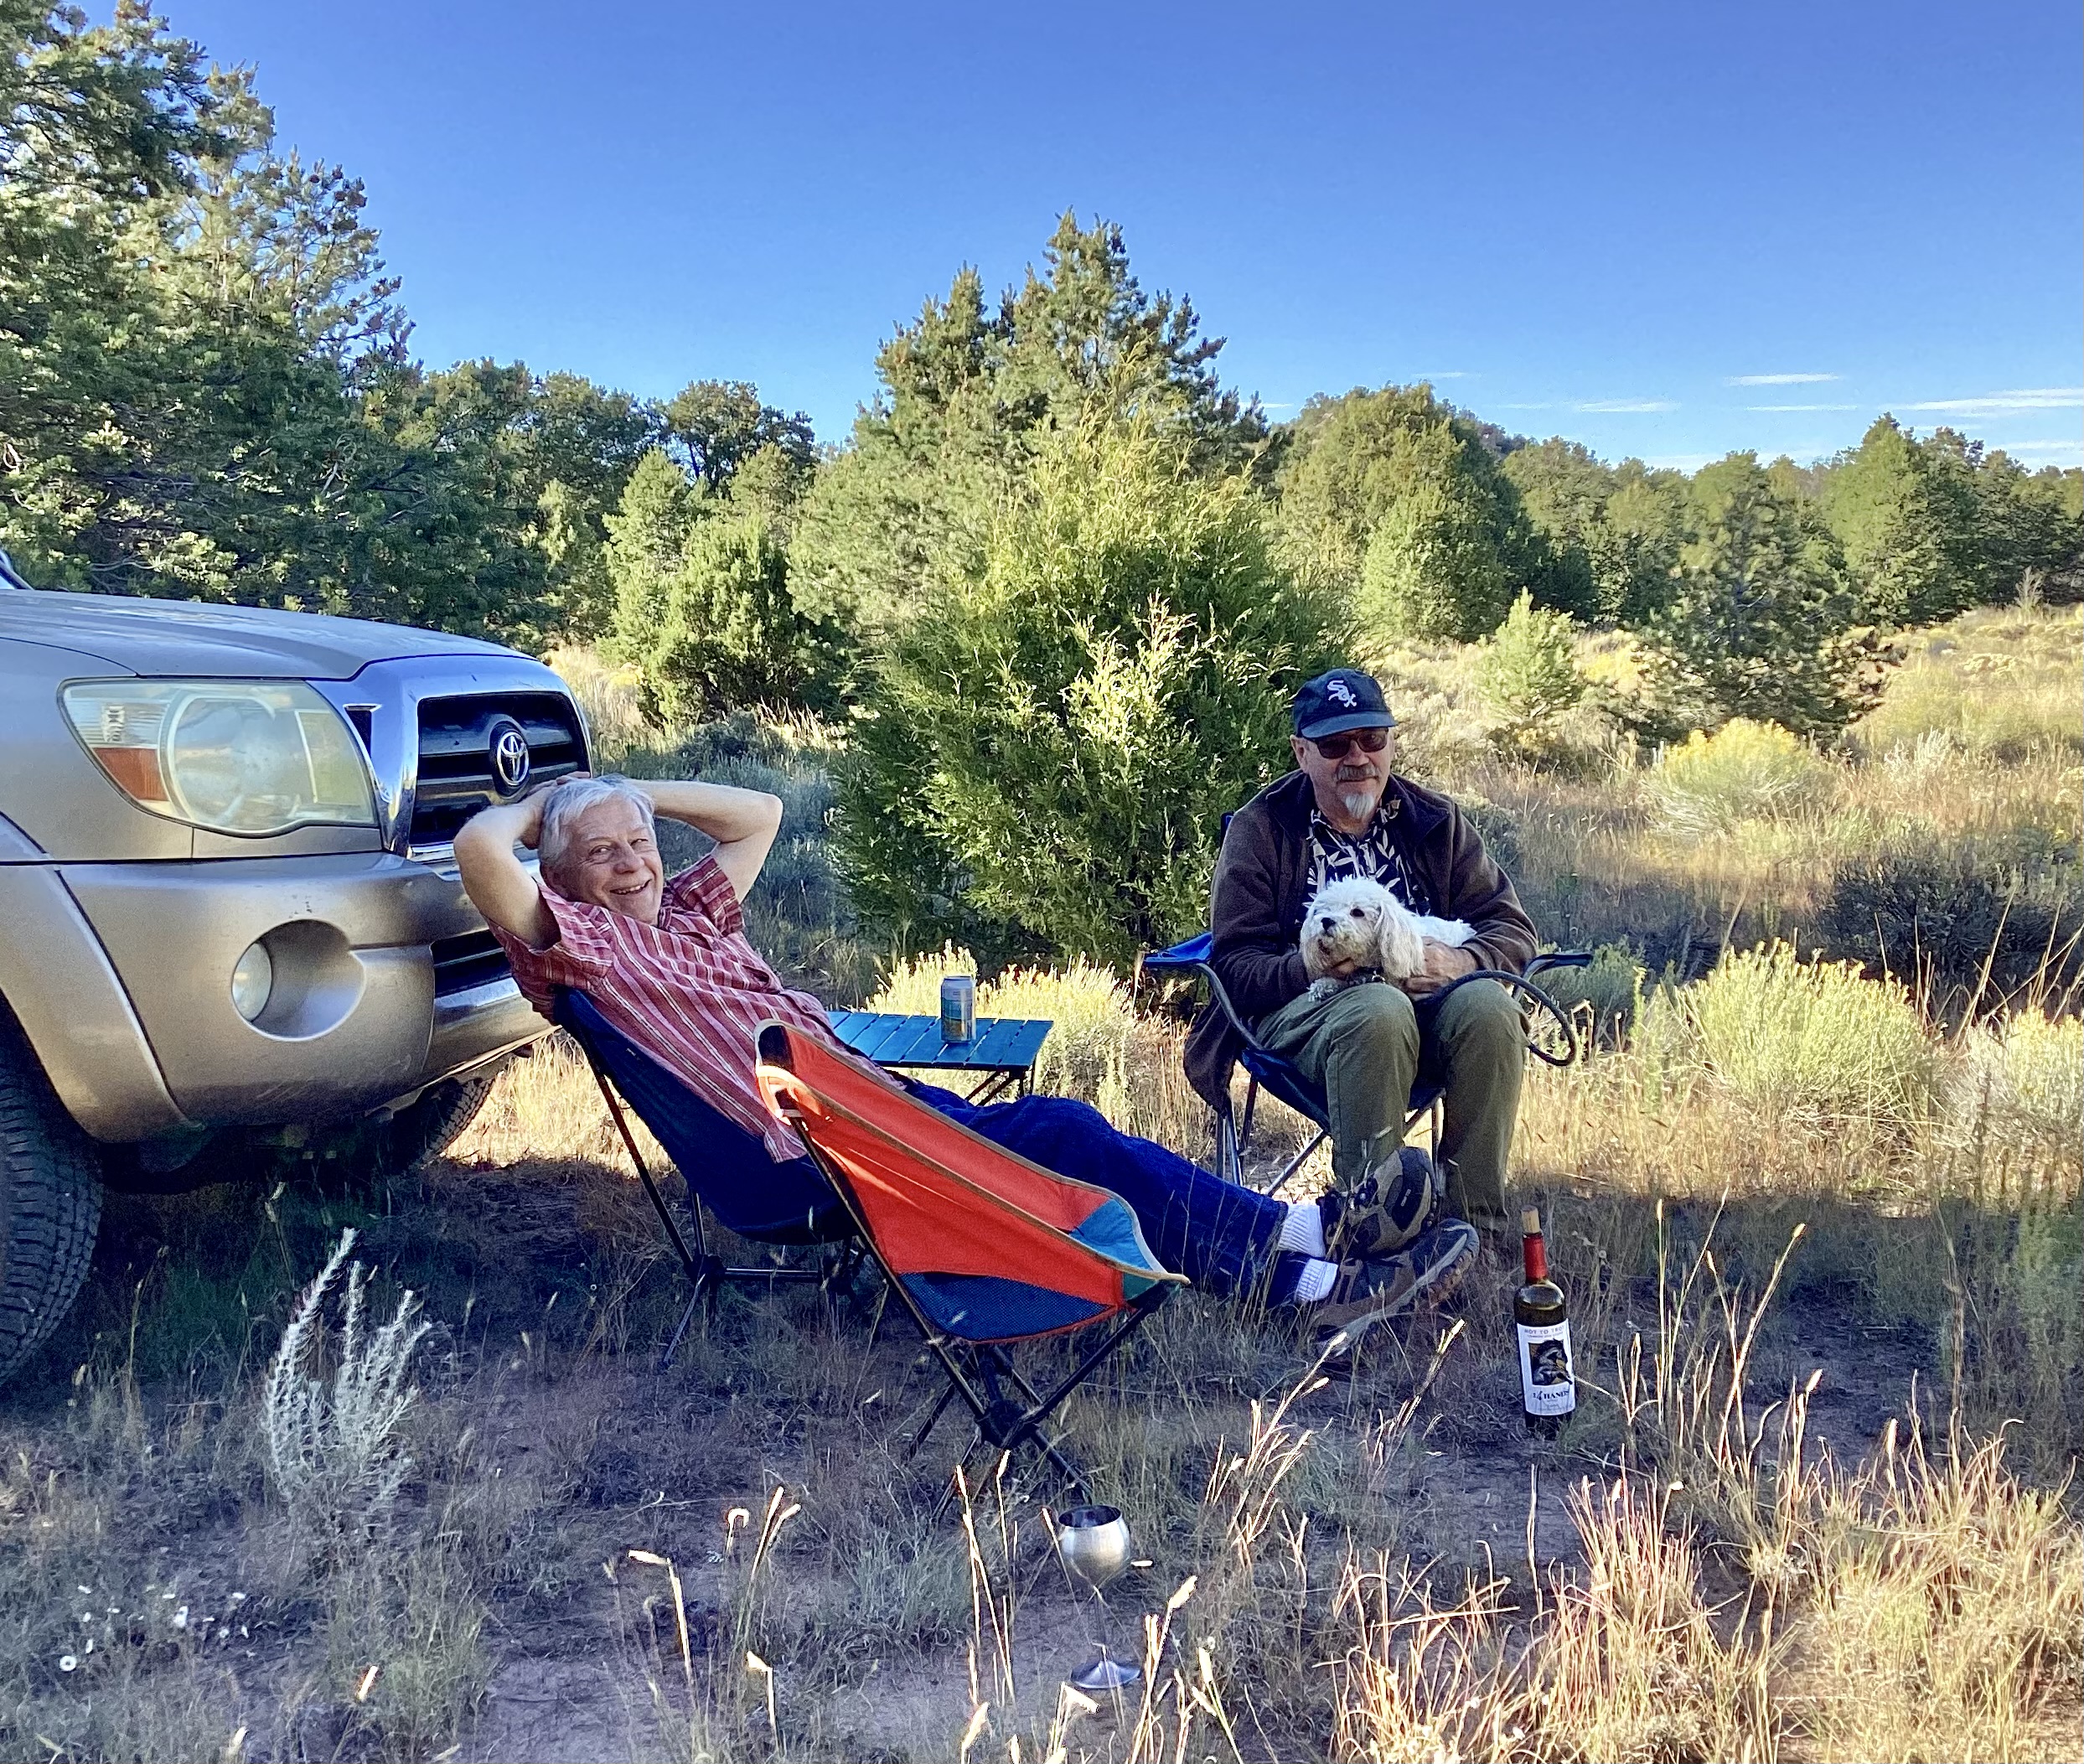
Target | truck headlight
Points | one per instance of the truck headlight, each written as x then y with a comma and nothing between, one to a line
252,980
241,756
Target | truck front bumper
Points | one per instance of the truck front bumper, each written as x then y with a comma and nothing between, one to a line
385,982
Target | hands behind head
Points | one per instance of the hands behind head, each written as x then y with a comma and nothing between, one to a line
532,801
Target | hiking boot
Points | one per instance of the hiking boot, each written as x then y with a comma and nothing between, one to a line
1401,1196
1416,1278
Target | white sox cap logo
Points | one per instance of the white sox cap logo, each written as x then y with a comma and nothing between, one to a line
1339,691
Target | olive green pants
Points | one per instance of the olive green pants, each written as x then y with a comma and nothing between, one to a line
1369,1044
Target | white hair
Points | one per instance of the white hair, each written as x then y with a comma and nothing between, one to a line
567,802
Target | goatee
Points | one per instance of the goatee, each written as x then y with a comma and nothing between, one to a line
1358,803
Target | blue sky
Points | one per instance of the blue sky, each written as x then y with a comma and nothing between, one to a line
1665,230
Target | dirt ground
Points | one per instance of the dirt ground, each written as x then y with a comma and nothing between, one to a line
549,1299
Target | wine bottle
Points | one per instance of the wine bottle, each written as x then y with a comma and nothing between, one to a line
1541,1322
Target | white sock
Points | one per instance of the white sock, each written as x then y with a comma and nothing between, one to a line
1314,1283
1303,1230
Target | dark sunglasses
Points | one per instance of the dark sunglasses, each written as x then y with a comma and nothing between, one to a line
1337,747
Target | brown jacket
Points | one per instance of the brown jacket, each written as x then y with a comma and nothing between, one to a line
1263,874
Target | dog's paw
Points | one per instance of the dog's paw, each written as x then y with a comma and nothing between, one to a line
1323,987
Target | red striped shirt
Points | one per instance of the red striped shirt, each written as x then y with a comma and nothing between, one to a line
690,989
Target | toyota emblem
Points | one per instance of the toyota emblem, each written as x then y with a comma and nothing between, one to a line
510,757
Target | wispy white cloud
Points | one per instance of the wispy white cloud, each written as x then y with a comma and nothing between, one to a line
1779,379
2004,404
1628,406
2040,446
1457,374
1801,407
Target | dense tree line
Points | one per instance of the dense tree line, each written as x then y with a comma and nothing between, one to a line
206,386
1054,540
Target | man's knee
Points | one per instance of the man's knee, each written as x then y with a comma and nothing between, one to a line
1482,1014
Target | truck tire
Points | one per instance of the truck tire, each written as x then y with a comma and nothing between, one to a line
50,1205
425,1129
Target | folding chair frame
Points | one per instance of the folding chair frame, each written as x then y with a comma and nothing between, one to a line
708,1273
1000,1422
1234,1134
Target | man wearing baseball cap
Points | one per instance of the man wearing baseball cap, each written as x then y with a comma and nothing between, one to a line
1343,813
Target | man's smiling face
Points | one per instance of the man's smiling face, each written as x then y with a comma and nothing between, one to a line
611,861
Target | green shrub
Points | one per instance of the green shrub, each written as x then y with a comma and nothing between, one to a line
2019,1087
702,604
1745,771
1812,1042
1046,754
1974,923
1610,989
1762,621
1529,678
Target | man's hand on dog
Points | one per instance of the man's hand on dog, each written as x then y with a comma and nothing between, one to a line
1444,962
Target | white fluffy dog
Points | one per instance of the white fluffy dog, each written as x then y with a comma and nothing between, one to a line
1357,920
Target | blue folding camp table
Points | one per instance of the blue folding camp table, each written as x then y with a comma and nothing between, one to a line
1002,1053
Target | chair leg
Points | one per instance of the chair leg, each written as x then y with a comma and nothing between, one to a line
1229,1165
918,1439
1296,1162
962,1463
703,1287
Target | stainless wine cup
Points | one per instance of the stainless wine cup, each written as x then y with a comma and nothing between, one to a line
1093,1542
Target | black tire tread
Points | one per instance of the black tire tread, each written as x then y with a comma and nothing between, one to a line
430,1125
50,1206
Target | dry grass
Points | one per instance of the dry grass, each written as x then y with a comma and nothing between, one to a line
1822,1255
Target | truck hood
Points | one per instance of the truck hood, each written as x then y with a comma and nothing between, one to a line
186,637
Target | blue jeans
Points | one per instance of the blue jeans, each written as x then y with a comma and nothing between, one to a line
1220,1236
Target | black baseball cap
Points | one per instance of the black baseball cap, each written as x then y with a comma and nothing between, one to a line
1342,700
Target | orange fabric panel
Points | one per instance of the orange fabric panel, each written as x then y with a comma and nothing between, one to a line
923,1219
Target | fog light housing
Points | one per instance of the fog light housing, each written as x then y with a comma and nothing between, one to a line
252,980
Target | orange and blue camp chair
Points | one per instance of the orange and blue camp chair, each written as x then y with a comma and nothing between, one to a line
726,1169
984,1248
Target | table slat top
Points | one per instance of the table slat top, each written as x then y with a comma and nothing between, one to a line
1000,1044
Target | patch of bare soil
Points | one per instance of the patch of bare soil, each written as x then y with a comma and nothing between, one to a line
550,1300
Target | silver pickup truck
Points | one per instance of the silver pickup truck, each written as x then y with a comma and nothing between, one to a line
228,910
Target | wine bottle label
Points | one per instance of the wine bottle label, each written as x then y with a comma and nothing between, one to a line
1545,1382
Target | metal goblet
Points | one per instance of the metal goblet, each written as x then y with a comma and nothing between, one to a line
1093,1542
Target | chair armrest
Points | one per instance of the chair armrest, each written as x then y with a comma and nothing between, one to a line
1164,962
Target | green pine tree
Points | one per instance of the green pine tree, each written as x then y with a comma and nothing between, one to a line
1045,753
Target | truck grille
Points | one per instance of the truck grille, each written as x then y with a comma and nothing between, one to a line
456,776
471,960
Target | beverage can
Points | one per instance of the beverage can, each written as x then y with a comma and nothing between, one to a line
1548,1387
959,1008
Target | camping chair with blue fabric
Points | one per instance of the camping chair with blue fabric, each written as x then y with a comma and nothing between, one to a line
727,1170
1552,1037
983,1249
